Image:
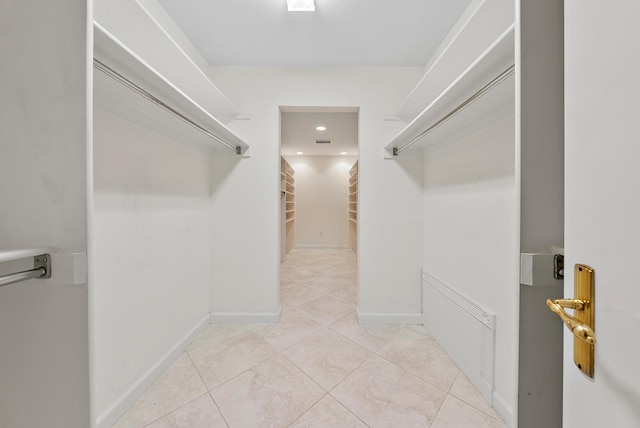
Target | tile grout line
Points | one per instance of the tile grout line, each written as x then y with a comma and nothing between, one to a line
414,375
342,381
310,407
207,388
180,406
215,403
460,373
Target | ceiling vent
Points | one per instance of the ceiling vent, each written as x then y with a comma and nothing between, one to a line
323,141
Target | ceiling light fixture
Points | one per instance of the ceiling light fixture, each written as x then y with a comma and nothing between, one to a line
299,153
321,128
343,153
301,6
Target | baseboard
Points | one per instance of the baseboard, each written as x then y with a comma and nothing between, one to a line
321,247
381,318
110,416
245,317
504,411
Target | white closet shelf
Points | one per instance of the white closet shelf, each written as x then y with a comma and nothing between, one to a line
11,253
116,98
493,105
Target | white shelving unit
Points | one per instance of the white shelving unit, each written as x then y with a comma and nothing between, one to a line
493,104
353,207
127,95
288,207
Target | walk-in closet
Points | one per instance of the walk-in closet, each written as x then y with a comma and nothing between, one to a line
291,213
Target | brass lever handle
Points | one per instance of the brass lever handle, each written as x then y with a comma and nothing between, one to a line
579,329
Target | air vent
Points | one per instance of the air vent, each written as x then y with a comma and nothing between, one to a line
323,141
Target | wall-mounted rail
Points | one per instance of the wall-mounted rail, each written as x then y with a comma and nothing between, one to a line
129,84
132,89
41,269
486,88
481,95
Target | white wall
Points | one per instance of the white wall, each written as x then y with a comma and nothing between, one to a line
470,233
322,200
246,204
151,255
44,375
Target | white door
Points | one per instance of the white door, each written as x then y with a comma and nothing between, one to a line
602,212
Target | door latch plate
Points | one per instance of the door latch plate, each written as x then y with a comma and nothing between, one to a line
584,289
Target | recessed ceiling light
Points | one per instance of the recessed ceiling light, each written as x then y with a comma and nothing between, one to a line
321,128
299,153
301,6
343,153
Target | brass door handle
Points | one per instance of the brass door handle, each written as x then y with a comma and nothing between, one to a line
579,329
582,323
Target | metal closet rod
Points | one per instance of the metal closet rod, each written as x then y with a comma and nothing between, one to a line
466,103
129,84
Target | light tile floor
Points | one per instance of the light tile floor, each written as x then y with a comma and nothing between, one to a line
316,368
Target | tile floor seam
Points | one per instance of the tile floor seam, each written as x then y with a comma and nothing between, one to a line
477,408
460,373
348,409
173,410
378,348
414,375
310,407
305,373
346,376
350,339
207,388
239,374
329,295
215,403
349,375
435,417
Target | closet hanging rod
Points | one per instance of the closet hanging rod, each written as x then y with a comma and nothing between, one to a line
129,84
41,269
486,88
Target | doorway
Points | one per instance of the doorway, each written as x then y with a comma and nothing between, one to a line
318,183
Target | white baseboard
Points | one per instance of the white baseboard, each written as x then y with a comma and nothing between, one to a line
321,247
504,411
380,318
110,416
245,317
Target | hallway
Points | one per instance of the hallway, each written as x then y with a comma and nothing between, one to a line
316,368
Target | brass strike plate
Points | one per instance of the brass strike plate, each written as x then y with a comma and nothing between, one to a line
584,289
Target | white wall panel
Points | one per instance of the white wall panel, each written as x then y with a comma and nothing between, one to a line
322,196
151,252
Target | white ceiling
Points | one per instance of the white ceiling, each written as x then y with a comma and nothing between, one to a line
298,133
338,33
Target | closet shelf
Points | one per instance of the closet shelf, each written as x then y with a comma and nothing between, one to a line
128,87
458,111
11,253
